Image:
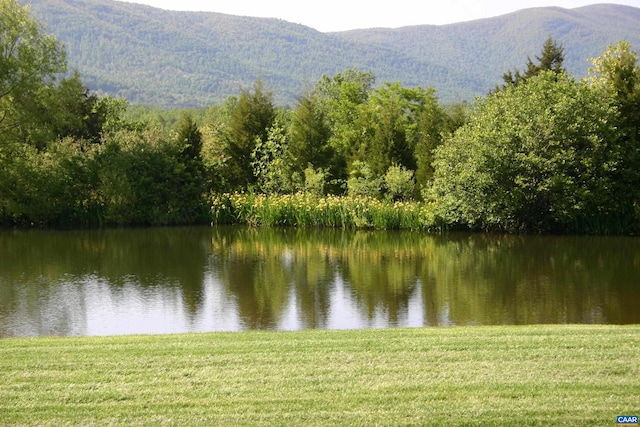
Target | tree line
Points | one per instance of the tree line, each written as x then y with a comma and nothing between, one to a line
542,153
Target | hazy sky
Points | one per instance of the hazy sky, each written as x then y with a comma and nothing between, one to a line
337,15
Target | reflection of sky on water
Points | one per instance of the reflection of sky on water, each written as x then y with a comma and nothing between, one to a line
91,306
48,313
133,310
158,310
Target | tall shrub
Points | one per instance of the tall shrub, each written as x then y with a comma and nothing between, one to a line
537,157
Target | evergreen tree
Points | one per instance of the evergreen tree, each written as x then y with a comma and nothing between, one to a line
70,110
189,137
551,59
251,118
402,127
388,141
190,181
309,135
432,123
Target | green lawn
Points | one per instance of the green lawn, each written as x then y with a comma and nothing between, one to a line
506,375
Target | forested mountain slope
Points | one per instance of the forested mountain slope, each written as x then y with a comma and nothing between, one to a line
484,49
177,59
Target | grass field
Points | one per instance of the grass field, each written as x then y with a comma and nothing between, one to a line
506,375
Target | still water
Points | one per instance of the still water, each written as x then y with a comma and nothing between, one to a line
195,279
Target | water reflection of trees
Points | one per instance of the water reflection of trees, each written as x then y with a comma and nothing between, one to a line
461,278
382,271
261,267
492,279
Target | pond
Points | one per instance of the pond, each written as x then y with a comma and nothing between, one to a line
197,279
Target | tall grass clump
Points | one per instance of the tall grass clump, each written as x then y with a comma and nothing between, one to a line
308,210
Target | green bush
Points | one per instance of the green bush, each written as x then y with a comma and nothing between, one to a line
536,157
145,179
362,181
48,188
315,181
399,183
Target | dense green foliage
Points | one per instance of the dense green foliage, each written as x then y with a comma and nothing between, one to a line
537,157
190,59
476,376
616,74
548,154
251,118
145,178
69,158
29,61
545,153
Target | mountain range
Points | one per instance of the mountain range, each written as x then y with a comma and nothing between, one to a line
176,59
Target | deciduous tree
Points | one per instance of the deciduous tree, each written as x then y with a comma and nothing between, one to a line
616,74
29,61
534,157
343,97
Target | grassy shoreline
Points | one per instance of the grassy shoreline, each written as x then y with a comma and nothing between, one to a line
505,375
307,210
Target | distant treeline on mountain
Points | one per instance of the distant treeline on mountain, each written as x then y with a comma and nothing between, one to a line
192,59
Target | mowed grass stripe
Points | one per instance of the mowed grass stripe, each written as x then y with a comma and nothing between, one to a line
505,375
